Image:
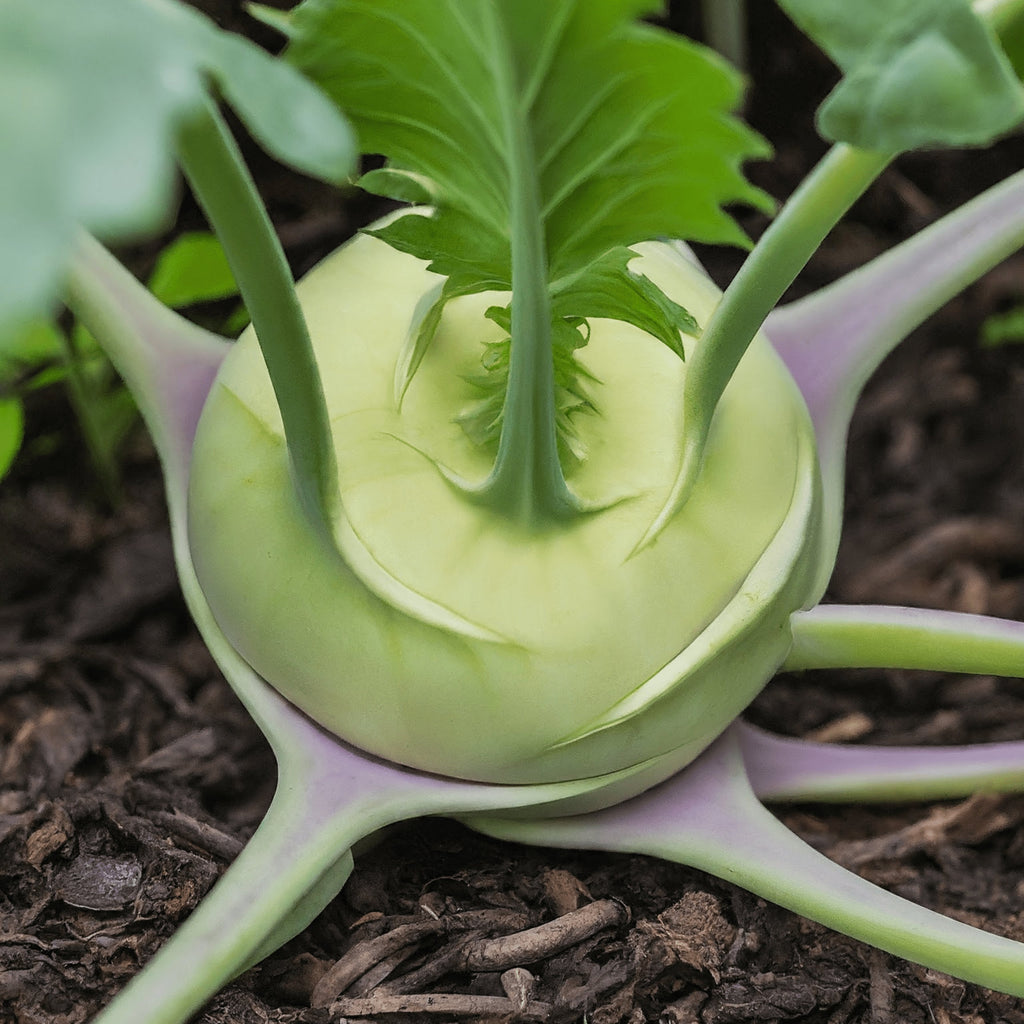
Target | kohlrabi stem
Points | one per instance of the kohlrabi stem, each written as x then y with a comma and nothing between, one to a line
526,482
167,362
86,403
221,182
833,340
772,266
879,636
725,29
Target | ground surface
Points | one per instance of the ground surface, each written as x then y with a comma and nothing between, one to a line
130,777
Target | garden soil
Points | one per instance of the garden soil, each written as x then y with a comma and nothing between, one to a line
130,777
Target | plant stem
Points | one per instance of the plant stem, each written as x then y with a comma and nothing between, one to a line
526,482
222,184
878,636
782,252
84,398
833,340
725,28
167,362
782,768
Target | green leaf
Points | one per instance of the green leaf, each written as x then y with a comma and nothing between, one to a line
1006,17
193,268
288,117
425,320
91,98
630,125
917,73
1003,328
573,384
11,432
605,288
29,347
608,288
547,135
401,185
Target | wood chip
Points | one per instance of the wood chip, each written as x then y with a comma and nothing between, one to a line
518,984
198,834
545,940
472,951
843,730
366,955
184,752
563,891
100,883
969,822
451,1005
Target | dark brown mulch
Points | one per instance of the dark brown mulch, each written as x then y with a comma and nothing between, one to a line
130,776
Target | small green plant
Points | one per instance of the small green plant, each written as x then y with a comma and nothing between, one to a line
192,269
1003,328
26,359
506,512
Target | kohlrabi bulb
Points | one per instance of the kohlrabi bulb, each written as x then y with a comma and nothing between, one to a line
435,632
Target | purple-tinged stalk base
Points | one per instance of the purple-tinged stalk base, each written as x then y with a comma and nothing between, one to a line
832,341
795,770
709,817
168,363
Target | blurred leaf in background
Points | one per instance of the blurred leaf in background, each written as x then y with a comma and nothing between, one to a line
192,270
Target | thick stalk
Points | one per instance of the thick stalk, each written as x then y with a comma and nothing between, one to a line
526,481
785,769
167,362
779,256
222,184
880,636
833,340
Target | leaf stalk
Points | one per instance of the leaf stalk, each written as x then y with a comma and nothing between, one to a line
526,482
826,194
215,169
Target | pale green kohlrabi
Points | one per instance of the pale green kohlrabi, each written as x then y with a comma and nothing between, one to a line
436,632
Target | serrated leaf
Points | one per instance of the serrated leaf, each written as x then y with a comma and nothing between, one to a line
193,268
608,288
482,421
567,117
455,244
91,97
630,125
917,73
